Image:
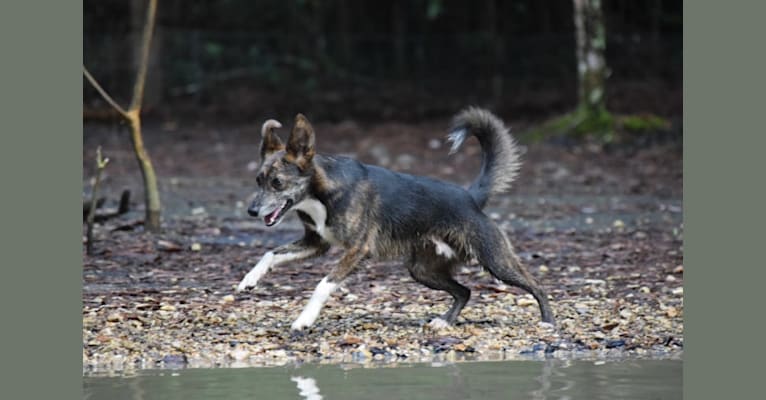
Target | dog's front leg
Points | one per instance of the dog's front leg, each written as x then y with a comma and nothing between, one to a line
299,250
328,285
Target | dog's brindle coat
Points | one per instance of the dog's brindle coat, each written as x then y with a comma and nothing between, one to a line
376,213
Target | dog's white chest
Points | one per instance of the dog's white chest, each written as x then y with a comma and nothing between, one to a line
318,213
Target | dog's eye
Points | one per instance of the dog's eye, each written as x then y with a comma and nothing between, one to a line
276,183
259,180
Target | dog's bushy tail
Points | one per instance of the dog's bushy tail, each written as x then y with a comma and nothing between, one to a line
500,154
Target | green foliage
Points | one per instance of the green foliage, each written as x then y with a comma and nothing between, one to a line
435,8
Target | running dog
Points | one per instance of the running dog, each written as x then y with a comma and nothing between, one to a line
375,213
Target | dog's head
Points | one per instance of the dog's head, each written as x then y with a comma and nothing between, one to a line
284,174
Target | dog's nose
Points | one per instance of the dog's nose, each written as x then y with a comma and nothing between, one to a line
252,211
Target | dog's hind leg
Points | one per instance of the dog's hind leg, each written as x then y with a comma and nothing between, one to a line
436,273
329,283
493,250
311,245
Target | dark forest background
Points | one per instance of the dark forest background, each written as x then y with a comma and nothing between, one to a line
233,59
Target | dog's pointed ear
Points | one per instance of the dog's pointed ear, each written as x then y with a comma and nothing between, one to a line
270,142
300,145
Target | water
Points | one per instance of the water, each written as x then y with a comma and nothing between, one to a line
550,379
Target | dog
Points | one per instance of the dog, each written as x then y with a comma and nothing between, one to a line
374,213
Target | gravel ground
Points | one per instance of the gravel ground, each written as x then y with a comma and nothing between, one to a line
602,231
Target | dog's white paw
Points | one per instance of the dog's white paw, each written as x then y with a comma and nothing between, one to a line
303,321
248,282
438,323
251,279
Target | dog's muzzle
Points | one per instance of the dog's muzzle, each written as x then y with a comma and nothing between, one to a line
253,210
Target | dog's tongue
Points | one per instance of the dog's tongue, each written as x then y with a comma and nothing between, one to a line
273,216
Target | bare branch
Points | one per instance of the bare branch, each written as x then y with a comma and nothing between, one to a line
103,93
100,165
146,40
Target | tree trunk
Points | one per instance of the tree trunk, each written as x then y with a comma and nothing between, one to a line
133,116
591,45
151,191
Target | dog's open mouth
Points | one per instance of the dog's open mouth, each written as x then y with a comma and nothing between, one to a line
273,217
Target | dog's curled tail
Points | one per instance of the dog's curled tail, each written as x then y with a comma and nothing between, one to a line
500,154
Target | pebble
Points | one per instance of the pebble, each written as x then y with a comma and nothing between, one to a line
196,247
618,224
611,344
543,269
525,302
239,354
229,298
198,211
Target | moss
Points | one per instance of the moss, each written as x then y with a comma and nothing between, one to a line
643,123
577,124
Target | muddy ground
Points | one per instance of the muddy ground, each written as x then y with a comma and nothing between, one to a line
601,228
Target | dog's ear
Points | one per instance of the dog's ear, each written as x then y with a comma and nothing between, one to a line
300,145
270,142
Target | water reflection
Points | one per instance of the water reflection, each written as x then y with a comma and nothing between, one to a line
548,380
307,387
552,371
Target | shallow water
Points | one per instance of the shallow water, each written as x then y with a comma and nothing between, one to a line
550,379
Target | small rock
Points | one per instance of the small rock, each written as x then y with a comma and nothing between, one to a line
610,325
545,325
228,298
581,308
525,302
678,270
671,312
196,247
678,291
198,211
618,224
174,359
543,269
645,289
114,317
670,278
589,220
626,314
349,341
165,245
574,268
639,235
611,344
434,144
167,307
239,354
